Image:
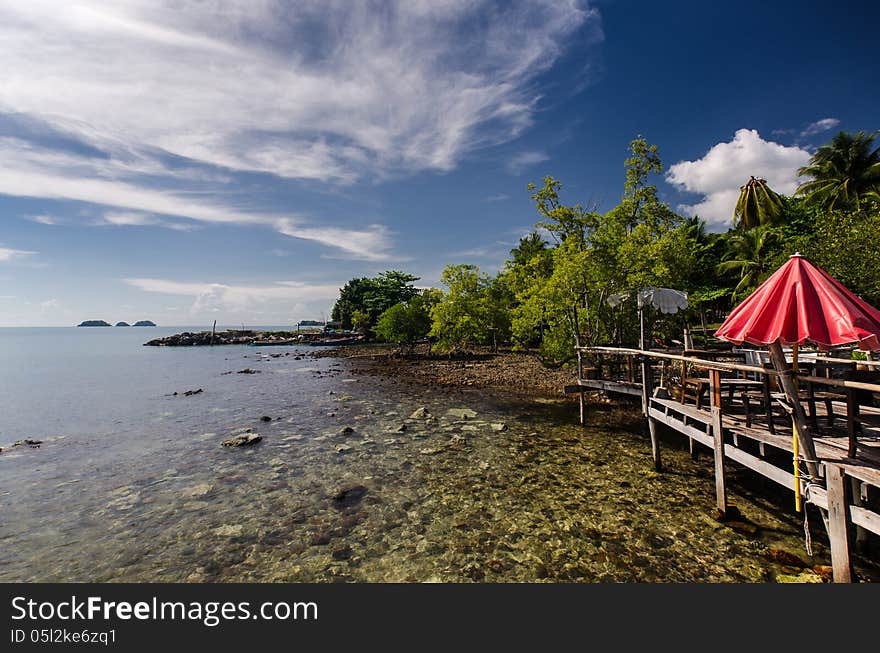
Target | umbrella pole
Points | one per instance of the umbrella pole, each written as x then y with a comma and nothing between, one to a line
796,462
799,418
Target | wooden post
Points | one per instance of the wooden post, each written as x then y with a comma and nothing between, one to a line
718,436
580,365
835,483
852,418
213,330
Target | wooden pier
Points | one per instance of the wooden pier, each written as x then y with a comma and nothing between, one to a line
743,418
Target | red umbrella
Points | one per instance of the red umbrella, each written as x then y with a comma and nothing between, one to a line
802,302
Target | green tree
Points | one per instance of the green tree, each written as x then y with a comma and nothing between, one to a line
370,297
758,204
751,254
469,310
560,221
845,245
843,173
407,322
644,160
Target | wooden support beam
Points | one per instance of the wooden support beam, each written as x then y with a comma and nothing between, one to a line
655,444
718,437
835,483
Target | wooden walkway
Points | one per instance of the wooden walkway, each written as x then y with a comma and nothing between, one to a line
847,442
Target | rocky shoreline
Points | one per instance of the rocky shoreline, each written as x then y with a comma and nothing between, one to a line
519,373
238,337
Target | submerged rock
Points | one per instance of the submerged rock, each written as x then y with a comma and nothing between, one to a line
228,530
345,430
265,418
806,576
348,496
248,370
33,444
498,427
785,557
421,413
461,413
243,440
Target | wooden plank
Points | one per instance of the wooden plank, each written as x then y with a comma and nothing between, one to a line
768,470
686,429
865,518
708,364
835,482
692,412
622,387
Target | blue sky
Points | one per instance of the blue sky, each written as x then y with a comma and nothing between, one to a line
239,160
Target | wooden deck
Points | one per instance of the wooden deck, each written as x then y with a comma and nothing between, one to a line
847,443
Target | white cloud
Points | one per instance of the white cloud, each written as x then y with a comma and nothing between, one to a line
49,304
500,197
288,297
718,175
820,126
44,219
320,90
7,254
518,163
39,172
133,219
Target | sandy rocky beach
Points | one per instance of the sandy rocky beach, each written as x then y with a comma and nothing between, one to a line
517,373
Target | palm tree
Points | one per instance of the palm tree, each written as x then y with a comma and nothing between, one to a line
758,204
749,252
844,172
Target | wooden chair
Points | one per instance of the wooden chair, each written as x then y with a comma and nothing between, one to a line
762,398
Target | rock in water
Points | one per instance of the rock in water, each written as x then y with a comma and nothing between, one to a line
498,427
243,440
461,413
420,413
265,418
345,430
348,496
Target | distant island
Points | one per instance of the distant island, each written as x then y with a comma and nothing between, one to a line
102,323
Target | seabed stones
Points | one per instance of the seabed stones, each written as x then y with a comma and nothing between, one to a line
243,440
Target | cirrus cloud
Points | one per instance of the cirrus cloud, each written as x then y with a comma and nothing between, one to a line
288,297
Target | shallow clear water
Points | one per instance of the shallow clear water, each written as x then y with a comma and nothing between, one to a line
132,484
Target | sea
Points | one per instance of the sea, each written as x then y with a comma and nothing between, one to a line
358,477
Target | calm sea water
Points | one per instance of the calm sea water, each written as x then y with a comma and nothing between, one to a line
131,483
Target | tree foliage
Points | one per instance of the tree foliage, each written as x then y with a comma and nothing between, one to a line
362,300
758,204
843,173
472,310
407,322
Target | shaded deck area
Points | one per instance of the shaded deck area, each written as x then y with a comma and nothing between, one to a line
735,413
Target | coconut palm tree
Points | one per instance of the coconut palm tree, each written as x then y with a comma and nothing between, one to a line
758,204
844,172
749,252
